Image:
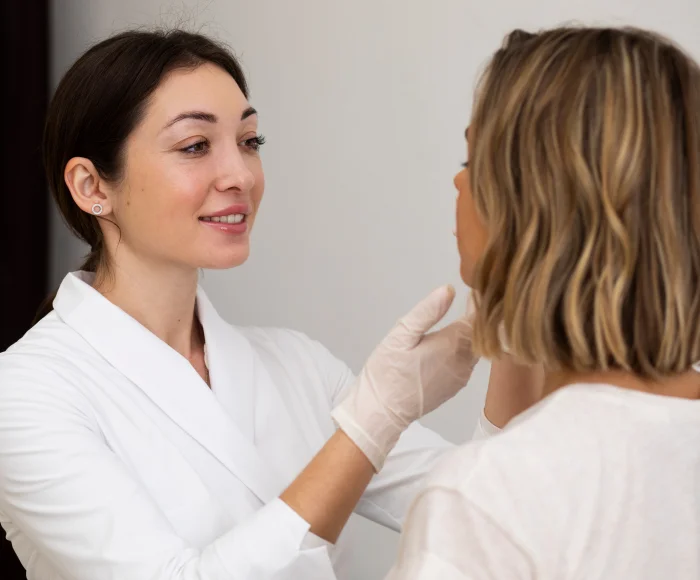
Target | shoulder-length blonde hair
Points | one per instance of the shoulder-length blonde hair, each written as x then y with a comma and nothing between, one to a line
585,168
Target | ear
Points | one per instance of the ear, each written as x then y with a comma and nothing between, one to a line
86,186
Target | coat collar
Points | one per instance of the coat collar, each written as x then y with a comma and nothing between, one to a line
225,427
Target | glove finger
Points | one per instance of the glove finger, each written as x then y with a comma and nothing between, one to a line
454,341
426,314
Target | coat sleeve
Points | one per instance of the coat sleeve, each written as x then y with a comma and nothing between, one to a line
391,491
75,509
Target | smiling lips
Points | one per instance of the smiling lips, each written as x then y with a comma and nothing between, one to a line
232,220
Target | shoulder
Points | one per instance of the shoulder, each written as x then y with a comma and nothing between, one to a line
287,345
47,337
284,339
299,356
542,467
565,425
43,367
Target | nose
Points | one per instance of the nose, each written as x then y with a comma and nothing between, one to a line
234,172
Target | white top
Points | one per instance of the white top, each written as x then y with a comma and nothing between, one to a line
595,482
117,462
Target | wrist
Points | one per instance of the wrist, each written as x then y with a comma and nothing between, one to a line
374,433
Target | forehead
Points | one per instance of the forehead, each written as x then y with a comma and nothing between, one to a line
206,88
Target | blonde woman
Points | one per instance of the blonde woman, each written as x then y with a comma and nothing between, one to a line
579,232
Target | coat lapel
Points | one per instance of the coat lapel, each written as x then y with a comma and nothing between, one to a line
171,382
244,387
230,359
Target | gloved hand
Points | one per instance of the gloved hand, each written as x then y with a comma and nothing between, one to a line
408,375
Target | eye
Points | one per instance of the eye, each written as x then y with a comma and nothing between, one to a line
254,143
198,148
465,164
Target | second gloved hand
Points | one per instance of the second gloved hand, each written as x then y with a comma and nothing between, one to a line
408,375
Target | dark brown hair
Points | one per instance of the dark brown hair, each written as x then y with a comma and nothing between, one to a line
100,101
585,169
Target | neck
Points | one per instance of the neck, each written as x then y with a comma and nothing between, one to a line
161,298
685,385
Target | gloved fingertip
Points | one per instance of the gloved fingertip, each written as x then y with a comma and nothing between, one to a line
450,289
426,314
438,303
444,296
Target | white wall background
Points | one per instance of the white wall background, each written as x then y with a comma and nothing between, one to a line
364,105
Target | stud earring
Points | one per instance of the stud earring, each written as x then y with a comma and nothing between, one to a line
97,209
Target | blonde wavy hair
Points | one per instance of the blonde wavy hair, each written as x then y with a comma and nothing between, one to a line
585,169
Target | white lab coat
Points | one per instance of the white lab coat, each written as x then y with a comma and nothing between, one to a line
117,462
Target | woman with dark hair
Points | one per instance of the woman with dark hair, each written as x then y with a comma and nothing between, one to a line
143,437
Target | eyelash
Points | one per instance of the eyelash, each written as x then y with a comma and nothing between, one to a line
465,164
254,144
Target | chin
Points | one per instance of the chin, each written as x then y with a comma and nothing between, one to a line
466,272
226,260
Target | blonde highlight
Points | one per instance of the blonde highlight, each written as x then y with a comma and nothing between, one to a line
584,168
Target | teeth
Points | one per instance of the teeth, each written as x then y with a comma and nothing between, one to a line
234,218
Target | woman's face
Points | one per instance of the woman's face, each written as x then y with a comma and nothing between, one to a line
471,233
193,180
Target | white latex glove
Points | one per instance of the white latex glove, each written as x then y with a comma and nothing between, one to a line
408,375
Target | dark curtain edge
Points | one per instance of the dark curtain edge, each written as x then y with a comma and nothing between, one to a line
24,202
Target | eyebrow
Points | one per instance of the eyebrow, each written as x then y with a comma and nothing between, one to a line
206,117
249,112
466,133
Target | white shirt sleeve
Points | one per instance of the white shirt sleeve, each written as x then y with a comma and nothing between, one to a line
79,508
448,537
